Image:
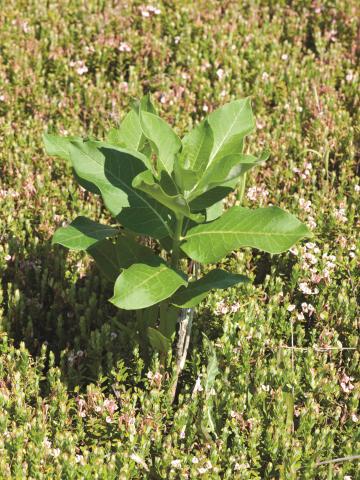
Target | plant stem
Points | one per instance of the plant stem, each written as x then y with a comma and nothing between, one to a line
185,321
241,189
175,255
174,262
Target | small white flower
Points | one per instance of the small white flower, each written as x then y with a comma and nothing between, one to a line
197,387
305,205
349,76
307,308
340,215
235,307
311,222
79,459
304,288
291,308
47,443
202,470
124,47
55,452
82,69
176,463
220,73
284,57
205,108
194,460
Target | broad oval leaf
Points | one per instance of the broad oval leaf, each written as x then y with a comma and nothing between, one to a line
194,156
164,140
177,203
130,134
111,257
224,170
214,211
113,170
269,229
196,291
209,198
58,146
145,284
83,233
230,124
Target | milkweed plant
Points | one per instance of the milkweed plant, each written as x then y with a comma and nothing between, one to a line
171,190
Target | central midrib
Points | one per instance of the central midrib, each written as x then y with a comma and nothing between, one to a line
242,232
213,155
151,277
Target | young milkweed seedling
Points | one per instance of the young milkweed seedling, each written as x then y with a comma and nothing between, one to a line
169,189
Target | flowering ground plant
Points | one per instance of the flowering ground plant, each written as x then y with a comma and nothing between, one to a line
170,190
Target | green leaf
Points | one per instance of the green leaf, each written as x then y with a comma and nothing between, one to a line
230,124
163,139
196,291
111,257
130,134
224,170
113,170
194,157
82,233
114,137
197,146
209,198
58,146
158,341
171,315
177,203
214,211
144,284
269,229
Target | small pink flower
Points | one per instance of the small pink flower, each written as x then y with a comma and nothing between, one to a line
220,73
124,47
110,406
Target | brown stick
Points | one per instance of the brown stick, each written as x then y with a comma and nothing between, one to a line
185,321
